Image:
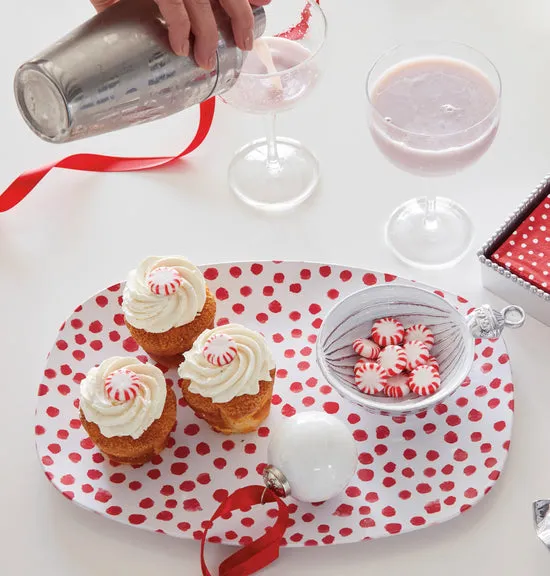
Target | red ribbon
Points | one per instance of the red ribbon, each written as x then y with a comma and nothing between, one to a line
262,551
25,183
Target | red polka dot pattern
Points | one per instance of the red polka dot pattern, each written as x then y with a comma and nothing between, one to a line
412,472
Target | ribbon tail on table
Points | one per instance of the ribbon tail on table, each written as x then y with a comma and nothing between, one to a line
25,183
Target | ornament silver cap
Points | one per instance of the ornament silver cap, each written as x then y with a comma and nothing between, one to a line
484,322
276,481
541,511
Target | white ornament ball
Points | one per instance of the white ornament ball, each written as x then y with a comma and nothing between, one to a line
316,453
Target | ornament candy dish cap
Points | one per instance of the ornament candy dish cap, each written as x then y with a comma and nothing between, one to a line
484,322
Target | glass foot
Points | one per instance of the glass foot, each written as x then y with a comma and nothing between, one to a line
427,233
274,186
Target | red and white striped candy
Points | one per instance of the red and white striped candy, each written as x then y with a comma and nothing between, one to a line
432,361
220,350
164,281
387,332
417,354
393,359
397,386
366,348
424,380
360,363
421,333
371,378
122,385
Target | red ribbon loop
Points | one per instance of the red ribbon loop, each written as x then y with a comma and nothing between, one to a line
25,183
262,551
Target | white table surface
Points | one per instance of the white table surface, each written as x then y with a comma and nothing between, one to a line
79,232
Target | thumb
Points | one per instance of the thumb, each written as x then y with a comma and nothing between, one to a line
100,5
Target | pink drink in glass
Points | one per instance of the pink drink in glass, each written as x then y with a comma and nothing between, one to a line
434,116
283,86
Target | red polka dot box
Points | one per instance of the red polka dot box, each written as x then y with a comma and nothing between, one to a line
413,471
516,259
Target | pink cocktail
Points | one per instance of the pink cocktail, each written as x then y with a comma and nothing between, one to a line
275,173
434,110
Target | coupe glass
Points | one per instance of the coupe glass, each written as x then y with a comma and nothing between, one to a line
275,173
434,109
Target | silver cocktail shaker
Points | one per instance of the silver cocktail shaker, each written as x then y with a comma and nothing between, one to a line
118,70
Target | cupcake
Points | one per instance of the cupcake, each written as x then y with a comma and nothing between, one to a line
227,378
166,305
127,409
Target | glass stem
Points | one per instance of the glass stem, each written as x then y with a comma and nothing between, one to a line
430,215
273,160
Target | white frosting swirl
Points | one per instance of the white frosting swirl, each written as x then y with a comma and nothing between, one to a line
243,375
159,313
129,418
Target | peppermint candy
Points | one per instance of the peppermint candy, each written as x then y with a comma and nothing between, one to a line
121,385
371,378
393,359
387,332
421,333
417,354
424,380
432,361
164,281
360,363
397,386
366,348
220,350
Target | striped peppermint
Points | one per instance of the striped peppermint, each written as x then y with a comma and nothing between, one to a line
366,348
371,378
421,333
387,332
121,385
220,350
397,386
393,360
417,354
424,380
164,281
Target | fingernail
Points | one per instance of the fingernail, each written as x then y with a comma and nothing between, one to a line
249,41
212,61
181,48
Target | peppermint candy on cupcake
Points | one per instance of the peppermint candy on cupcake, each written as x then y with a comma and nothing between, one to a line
121,385
220,350
421,333
424,380
417,354
371,378
164,281
397,386
393,359
366,348
387,332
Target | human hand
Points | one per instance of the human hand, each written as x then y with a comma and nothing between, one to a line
184,17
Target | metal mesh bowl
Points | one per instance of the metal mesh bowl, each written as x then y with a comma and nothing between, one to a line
454,334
